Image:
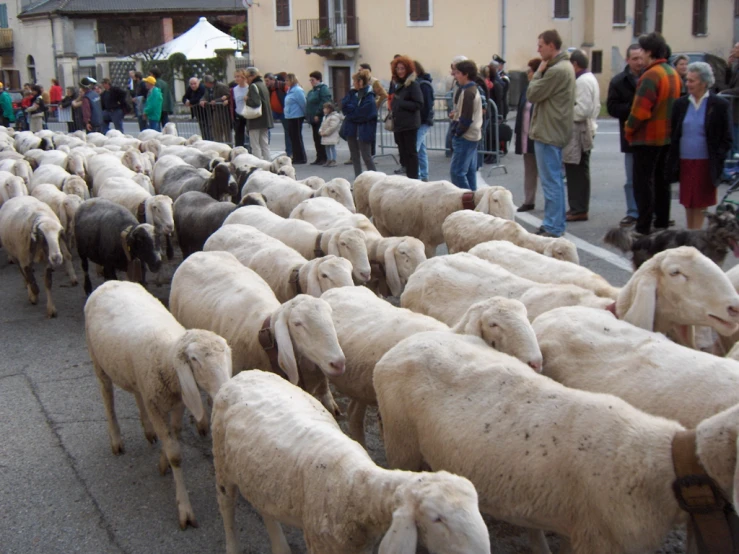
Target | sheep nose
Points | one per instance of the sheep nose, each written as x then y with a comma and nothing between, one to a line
733,311
338,366
364,275
535,365
56,260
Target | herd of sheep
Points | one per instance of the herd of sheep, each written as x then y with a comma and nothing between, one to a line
512,382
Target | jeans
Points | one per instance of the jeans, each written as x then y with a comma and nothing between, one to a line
423,157
330,152
407,149
448,142
114,116
464,163
156,125
549,164
360,149
631,208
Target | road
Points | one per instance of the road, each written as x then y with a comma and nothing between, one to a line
62,490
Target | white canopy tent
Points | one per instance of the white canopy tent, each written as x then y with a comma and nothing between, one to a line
198,43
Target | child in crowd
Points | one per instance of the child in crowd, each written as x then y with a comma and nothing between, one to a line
329,132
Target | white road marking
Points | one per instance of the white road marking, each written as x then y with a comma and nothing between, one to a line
605,255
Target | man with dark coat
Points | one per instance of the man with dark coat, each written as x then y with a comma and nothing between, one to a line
215,104
113,100
621,93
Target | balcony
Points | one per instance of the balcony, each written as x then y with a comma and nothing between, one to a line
328,36
6,40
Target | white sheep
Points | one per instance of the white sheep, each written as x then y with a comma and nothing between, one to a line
368,327
288,457
542,269
136,344
224,150
393,259
361,189
49,174
646,369
285,271
213,290
402,206
164,164
26,140
65,207
19,168
463,230
75,185
30,232
284,194
281,165
10,187
46,157
308,241
588,466
315,182
446,286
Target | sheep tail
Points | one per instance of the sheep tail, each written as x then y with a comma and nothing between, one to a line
621,238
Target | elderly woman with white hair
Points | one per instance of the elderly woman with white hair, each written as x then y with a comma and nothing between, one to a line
701,139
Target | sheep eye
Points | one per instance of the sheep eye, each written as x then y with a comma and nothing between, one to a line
493,325
323,275
438,519
298,324
343,244
674,272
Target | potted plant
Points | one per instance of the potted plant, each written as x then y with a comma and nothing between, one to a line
323,37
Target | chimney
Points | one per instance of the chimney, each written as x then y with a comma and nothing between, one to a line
167,30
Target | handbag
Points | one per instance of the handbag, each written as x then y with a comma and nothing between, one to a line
389,122
251,113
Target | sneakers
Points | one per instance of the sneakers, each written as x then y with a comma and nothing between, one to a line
318,162
525,208
582,216
627,221
330,163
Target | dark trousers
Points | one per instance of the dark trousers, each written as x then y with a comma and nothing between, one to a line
578,184
164,119
651,189
295,130
407,148
239,130
320,149
360,150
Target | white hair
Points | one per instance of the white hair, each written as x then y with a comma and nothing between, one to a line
704,71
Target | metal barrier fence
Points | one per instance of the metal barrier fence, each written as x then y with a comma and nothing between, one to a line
437,139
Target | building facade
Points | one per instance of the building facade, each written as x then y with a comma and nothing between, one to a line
335,36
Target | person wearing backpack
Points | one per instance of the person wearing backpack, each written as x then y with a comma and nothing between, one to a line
427,119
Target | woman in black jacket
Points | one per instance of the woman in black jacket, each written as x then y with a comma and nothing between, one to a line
406,109
701,139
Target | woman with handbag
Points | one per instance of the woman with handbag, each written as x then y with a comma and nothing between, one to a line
360,123
406,112
258,113
239,93
295,114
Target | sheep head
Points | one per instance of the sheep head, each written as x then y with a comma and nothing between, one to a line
143,244
497,201
680,286
443,509
159,213
304,324
561,249
350,243
326,273
340,190
47,232
402,256
503,324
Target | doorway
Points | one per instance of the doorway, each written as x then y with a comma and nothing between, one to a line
341,82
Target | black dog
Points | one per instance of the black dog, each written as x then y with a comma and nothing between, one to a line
714,242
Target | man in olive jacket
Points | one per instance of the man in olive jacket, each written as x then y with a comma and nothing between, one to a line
552,91
314,101
258,95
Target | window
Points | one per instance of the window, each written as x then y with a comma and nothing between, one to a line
660,9
561,9
640,17
31,66
596,61
619,12
419,13
3,16
282,13
736,8
700,13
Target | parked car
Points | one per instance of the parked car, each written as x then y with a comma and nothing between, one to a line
717,63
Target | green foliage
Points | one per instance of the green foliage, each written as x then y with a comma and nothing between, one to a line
323,34
238,31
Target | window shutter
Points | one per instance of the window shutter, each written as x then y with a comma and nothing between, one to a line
419,10
561,9
660,9
3,16
282,12
736,8
639,18
699,17
619,11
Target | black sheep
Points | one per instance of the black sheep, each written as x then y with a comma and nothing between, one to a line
196,217
185,178
110,236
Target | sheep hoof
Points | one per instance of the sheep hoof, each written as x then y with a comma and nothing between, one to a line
50,314
163,465
151,437
74,283
203,430
187,518
117,448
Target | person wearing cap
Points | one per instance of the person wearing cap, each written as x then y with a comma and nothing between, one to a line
503,76
89,101
7,117
153,106
163,86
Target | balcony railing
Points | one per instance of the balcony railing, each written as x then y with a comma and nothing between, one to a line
328,33
6,40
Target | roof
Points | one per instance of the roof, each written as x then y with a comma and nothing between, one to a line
198,43
95,7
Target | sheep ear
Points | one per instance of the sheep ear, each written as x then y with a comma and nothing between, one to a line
736,477
63,215
314,283
402,536
470,322
485,205
391,272
190,391
643,302
285,353
333,245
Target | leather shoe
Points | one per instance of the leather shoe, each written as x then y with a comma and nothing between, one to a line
627,221
577,217
525,208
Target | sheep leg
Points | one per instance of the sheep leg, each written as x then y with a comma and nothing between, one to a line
169,248
316,384
204,424
68,267
402,449
538,542
50,308
355,414
171,448
109,273
149,433
86,270
175,419
31,284
430,251
276,537
106,389
226,502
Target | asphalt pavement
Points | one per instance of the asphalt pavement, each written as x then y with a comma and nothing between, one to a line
61,488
